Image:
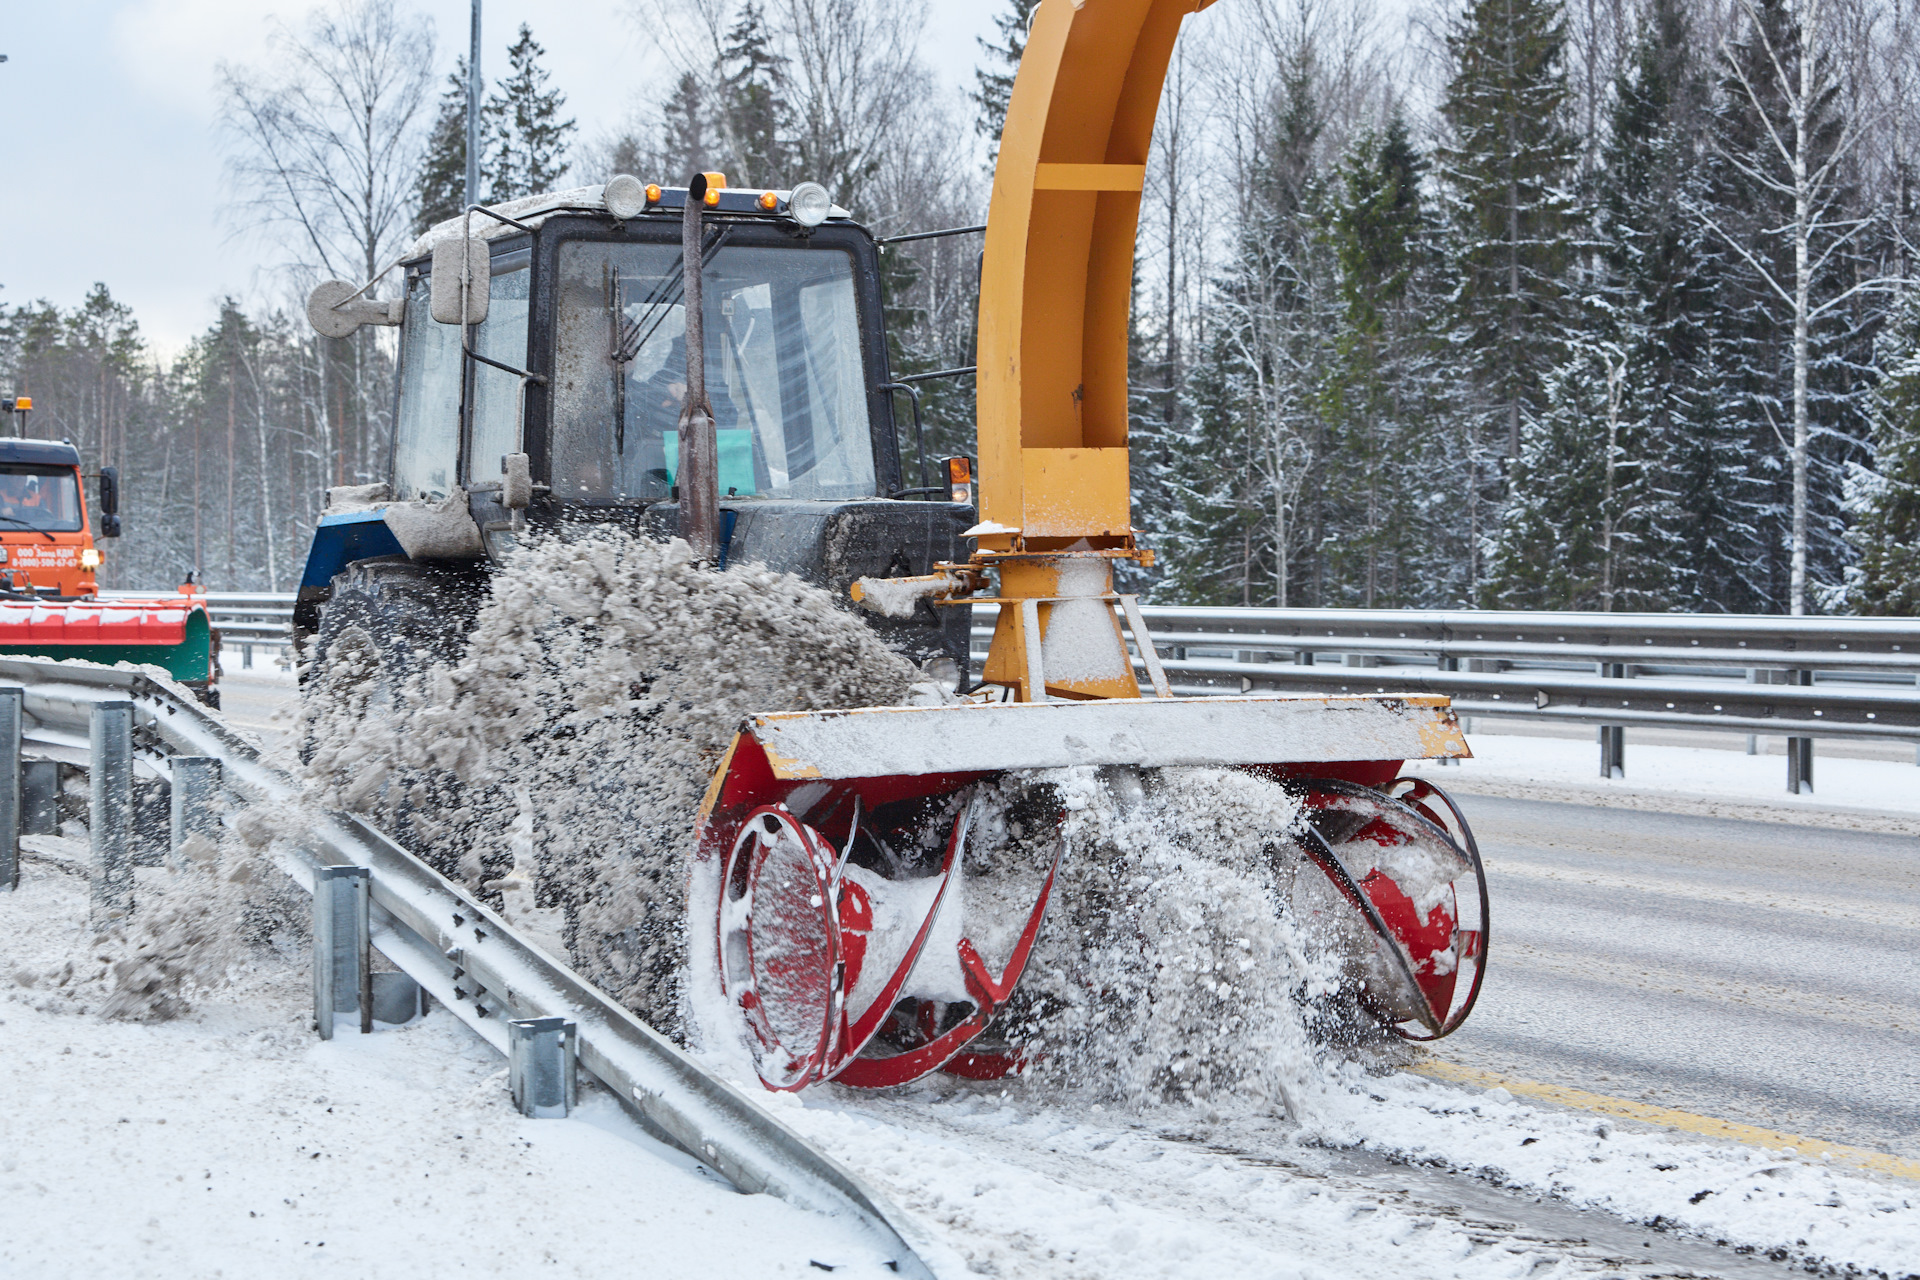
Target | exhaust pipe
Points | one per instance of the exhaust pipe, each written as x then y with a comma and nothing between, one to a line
699,478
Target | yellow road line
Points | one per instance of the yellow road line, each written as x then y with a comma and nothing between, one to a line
1669,1117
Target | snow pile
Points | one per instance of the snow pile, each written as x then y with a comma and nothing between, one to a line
564,758
192,926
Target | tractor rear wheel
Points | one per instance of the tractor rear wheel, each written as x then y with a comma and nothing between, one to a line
388,619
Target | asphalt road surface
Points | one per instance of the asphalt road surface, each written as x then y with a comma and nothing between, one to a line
1747,970
260,701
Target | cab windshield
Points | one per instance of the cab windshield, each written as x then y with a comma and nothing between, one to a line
783,366
43,498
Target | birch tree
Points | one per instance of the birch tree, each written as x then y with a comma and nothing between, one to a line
324,147
1791,92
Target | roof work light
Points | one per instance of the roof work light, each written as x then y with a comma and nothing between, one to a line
809,204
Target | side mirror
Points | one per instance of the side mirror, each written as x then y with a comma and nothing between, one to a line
334,311
109,502
516,482
453,261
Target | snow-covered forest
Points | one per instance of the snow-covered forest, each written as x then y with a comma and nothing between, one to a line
1511,303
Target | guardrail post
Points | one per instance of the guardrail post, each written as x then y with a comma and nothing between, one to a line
40,797
1445,663
541,1054
342,976
196,782
110,813
1799,766
12,702
1613,737
1799,750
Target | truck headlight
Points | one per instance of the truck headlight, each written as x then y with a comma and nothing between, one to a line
90,559
809,204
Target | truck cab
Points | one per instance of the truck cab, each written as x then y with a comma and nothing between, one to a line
580,366
46,536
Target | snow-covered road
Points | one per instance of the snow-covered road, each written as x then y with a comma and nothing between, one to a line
232,1142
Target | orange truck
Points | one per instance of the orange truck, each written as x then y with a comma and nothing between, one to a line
50,602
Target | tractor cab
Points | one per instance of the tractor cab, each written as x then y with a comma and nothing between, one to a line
570,377
46,538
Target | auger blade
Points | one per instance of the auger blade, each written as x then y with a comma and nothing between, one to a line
838,930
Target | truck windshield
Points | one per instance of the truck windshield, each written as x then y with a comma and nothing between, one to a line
39,498
783,361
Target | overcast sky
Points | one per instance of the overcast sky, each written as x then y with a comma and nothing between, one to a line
110,167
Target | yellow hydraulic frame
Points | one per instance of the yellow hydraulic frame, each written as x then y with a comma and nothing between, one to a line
1056,283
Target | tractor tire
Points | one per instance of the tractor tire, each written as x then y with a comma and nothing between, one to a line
388,619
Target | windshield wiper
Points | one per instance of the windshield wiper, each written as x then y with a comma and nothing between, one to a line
626,345
664,295
29,525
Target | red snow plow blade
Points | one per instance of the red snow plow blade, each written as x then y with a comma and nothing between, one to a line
833,851
170,632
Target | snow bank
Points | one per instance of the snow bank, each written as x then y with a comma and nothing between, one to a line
230,1141
192,926
1721,776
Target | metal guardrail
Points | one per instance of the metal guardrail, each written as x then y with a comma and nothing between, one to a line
1797,678
458,950
246,619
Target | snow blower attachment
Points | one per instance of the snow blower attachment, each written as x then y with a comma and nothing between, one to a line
858,943
855,937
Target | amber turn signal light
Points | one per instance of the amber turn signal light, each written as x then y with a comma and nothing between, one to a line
960,476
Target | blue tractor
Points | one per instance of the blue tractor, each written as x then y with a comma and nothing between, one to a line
543,376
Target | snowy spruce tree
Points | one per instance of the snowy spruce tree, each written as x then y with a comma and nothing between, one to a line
754,110
993,81
1595,521
441,188
688,140
1506,169
1884,499
1390,475
527,139
1667,440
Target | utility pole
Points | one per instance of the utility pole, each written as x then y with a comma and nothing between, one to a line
473,110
